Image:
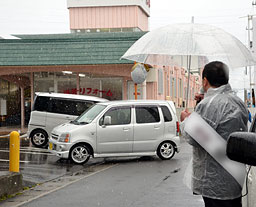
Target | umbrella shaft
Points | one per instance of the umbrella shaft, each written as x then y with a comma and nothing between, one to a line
187,95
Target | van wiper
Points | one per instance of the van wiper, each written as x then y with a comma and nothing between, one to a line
83,123
73,122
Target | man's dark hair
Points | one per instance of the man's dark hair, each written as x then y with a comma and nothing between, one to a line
216,73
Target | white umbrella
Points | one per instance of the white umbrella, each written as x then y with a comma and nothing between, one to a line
199,43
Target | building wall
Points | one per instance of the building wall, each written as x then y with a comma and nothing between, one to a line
112,82
164,83
108,17
142,19
143,4
170,83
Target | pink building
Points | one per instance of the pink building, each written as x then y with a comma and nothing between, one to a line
132,15
108,15
86,61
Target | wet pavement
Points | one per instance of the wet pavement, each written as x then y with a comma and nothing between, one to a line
125,182
37,165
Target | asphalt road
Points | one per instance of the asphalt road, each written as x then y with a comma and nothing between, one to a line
126,182
38,165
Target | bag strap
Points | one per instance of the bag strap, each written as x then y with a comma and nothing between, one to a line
214,144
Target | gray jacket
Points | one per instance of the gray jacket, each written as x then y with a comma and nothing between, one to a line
226,113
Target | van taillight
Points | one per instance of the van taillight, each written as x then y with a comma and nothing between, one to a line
177,128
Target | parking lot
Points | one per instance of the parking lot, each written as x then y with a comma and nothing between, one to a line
37,165
125,180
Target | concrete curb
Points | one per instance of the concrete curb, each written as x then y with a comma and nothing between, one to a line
10,183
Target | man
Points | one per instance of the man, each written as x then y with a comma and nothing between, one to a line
225,113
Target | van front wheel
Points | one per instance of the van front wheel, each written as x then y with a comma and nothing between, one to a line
165,150
80,154
39,138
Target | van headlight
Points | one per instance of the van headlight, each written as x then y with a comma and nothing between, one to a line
64,137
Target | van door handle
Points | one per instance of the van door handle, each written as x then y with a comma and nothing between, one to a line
157,126
126,129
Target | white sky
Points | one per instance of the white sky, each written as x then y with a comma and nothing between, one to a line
51,16
225,14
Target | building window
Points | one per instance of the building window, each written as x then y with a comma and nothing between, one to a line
59,82
178,87
175,87
113,88
185,95
110,88
171,87
160,82
10,110
44,82
181,88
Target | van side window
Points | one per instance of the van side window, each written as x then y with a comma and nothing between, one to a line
147,114
41,103
119,116
70,107
166,113
81,106
61,106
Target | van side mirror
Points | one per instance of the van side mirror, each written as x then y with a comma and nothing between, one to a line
241,147
107,120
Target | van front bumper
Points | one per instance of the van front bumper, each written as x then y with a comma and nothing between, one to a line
59,149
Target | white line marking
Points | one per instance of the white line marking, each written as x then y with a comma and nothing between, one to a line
3,160
33,153
29,149
34,149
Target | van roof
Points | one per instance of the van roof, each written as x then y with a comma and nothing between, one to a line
72,96
125,102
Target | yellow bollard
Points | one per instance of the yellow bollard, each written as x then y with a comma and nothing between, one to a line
14,156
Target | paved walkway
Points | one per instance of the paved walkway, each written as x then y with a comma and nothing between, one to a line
9,129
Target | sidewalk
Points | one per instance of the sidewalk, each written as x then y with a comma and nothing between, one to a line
8,129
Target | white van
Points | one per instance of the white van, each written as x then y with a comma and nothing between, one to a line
119,128
52,109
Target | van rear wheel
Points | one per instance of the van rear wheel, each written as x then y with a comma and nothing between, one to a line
39,138
166,150
80,154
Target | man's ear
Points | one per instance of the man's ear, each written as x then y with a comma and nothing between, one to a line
206,84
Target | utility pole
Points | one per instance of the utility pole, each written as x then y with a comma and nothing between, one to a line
253,48
251,36
249,29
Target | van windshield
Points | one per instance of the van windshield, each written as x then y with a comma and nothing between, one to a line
89,115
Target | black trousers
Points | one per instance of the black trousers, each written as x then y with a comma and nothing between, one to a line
209,202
